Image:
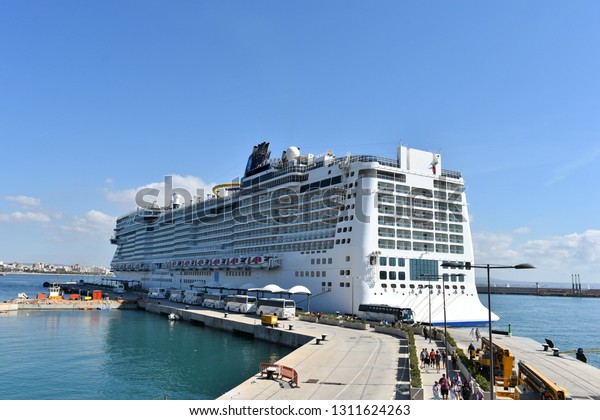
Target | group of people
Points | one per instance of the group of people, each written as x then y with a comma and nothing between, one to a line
445,389
433,359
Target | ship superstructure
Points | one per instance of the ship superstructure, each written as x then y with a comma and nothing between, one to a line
353,230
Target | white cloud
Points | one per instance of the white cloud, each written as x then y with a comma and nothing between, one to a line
573,250
188,186
29,216
23,200
93,223
497,247
555,257
521,230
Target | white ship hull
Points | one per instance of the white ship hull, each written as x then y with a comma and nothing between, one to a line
357,230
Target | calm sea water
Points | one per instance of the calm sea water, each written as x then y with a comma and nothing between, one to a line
117,355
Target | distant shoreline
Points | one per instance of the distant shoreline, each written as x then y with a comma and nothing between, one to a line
20,273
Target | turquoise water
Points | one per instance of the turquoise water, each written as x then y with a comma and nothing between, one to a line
118,354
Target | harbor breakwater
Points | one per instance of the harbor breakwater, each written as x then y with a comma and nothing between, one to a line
538,291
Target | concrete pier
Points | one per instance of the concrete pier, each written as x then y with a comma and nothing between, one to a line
348,364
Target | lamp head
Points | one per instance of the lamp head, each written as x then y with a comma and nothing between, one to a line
523,266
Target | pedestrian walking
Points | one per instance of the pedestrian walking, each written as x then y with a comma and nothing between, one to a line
444,386
438,359
432,358
436,390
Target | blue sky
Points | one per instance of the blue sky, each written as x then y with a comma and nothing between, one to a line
100,98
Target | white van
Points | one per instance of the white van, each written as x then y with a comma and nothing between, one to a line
192,297
214,300
176,296
283,308
159,293
240,303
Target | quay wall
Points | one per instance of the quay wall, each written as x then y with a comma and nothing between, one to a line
233,323
60,304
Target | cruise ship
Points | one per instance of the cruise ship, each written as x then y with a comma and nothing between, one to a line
336,234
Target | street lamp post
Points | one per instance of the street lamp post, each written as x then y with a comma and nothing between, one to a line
488,267
445,327
429,295
429,292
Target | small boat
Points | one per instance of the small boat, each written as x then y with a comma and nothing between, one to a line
23,295
173,317
119,289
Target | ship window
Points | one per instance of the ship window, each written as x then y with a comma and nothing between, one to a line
322,273
318,274
341,284
401,275
347,257
392,261
382,260
347,272
347,284
328,284
392,275
403,286
383,285
420,268
393,286
341,272
323,284
383,275
312,260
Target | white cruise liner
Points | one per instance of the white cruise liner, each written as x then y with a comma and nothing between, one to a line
353,230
